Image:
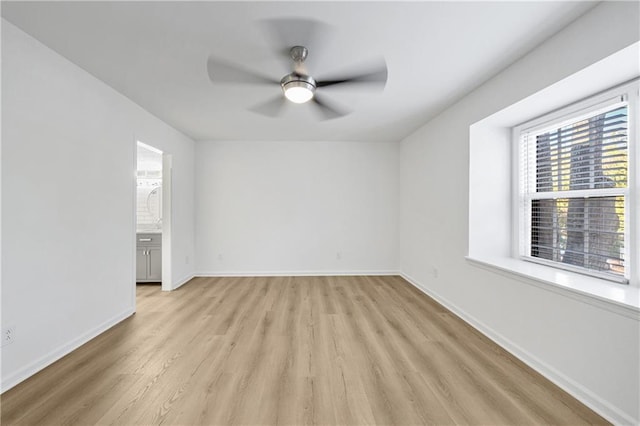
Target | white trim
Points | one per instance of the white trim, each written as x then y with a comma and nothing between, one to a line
620,299
134,239
518,236
149,147
620,279
623,94
53,356
577,193
167,221
183,281
294,273
632,227
580,108
575,389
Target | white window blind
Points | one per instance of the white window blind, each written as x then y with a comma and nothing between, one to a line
573,185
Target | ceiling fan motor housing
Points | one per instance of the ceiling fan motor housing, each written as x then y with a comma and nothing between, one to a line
298,88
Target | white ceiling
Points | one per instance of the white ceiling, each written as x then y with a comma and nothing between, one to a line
155,53
147,159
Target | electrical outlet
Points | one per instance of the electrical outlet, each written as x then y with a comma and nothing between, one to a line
434,271
339,255
186,260
8,335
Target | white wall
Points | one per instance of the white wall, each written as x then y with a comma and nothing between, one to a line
277,207
589,350
68,188
291,207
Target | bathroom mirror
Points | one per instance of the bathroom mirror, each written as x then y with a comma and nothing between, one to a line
154,204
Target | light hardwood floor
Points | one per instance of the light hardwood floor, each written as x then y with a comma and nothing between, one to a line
291,351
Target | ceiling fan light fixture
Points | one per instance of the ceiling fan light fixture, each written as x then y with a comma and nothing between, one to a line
298,88
298,93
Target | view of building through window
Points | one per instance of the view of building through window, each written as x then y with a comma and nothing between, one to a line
577,209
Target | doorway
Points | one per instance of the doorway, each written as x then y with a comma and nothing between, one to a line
152,217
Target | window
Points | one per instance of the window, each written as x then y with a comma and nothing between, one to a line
574,193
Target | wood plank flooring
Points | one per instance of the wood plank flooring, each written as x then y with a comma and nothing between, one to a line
290,351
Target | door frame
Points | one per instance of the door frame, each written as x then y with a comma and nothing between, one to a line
166,214
167,220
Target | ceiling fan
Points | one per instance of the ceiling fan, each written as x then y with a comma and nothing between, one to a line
298,86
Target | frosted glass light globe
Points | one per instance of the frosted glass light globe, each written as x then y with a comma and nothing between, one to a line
298,92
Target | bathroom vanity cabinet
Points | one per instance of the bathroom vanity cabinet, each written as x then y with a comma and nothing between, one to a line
148,257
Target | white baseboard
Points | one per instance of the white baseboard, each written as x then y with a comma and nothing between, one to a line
292,273
183,281
48,359
578,391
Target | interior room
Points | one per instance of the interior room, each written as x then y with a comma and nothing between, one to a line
330,213
149,193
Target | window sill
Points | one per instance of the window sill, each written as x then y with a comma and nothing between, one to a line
619,298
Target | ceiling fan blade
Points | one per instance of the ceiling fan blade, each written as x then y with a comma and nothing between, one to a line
271,108
377,77
326,110
224,72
